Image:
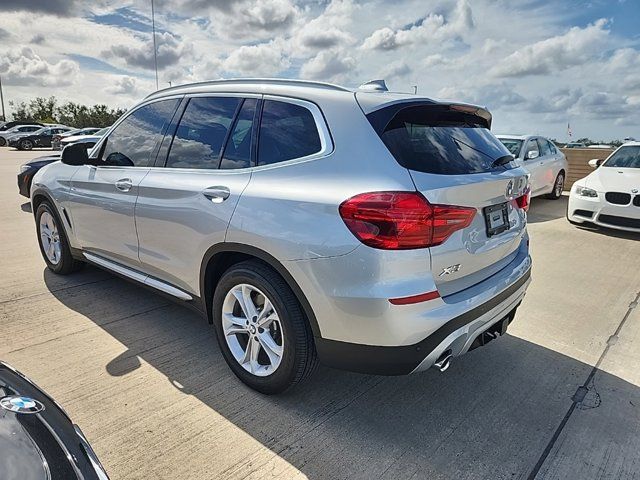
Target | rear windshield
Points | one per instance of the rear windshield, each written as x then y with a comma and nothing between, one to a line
435,139
625,157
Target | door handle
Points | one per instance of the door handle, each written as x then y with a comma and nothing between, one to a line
217,194
124,184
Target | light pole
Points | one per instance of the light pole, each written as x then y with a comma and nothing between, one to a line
4,118
155,50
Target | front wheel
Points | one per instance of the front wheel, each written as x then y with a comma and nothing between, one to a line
261,328
3,142
558,187
53,241
26,145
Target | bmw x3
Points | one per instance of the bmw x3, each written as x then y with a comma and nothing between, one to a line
370,231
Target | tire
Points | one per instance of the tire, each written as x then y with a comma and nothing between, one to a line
558,187
289,326
3,142
26,145
60,261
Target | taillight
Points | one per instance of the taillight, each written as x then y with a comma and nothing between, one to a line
402,220
523,200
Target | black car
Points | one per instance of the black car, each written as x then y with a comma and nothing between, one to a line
8,125
29,169
38,440
38,139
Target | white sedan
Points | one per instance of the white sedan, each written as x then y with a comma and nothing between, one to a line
542,159
610,196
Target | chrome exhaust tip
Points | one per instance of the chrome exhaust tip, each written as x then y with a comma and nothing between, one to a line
444,361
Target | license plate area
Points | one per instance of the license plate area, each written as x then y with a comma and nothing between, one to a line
496,218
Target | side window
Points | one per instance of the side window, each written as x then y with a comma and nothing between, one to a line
545,149
133,141
201,133
532,146
237,151
287,131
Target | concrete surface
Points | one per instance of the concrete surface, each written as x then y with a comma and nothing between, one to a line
146,382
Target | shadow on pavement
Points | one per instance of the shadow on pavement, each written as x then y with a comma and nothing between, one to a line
492,414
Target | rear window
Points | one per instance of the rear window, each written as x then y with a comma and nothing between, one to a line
435,139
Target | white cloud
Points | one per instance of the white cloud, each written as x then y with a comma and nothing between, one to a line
170,51
26,67
124,85
328,65
576,47
265,59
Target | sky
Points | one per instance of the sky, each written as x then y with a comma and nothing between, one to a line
537,65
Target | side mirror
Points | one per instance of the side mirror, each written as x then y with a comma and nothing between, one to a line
531,154
595,163
75,155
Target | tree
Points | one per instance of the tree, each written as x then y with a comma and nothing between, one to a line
47,110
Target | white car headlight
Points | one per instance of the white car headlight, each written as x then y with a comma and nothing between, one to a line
586,192
24,168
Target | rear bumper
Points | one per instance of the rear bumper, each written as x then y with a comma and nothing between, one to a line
456,335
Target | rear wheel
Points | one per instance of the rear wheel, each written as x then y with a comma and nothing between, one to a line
53,241
261,328
558,187
3,142
26,145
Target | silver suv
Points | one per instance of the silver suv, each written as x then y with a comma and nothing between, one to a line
376,232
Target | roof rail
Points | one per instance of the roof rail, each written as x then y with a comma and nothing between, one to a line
250,81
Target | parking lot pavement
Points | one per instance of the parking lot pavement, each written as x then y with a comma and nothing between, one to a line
557,397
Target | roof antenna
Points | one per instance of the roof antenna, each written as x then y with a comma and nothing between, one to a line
374,86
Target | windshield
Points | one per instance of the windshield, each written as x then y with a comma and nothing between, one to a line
513,145
625,157
434,139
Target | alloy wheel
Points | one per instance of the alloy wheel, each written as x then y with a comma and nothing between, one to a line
50,238
559,185
252,330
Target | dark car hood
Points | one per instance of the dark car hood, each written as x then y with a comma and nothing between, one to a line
42,445
44,160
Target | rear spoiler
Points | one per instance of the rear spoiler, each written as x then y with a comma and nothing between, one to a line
380,118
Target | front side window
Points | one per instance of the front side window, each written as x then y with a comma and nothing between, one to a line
625,157
545,149
201,133
133,141
532,146
287,131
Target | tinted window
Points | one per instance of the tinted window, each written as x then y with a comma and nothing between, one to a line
545,149
532,146
625,157
237,151
287,131
133,141
201,132
433,140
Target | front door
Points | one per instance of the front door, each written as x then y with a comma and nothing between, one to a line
102,198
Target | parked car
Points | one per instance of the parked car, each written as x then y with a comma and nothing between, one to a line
17,130
575,145
29,169
7,125
56,140
38,139
542,159
88,140
610,196
375,232
38,440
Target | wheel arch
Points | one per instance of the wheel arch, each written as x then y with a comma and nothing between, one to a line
222,256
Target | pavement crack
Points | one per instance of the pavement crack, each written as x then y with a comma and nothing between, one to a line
578,400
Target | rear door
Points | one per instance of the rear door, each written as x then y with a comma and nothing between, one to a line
455,160
185,203
102,198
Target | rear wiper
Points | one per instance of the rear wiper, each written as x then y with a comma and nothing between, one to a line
498,162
